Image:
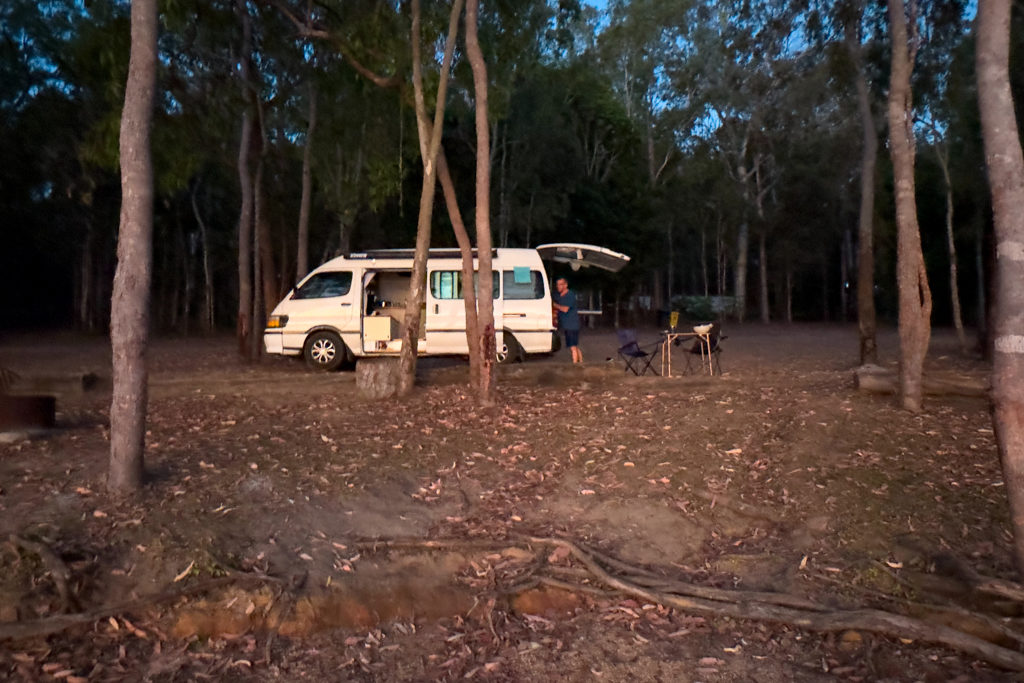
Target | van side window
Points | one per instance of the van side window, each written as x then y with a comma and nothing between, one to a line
325,285
531,287
447,284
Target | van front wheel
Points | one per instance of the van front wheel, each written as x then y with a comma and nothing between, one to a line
324,351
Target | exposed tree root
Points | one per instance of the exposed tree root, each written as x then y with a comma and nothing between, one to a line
645,584
744,605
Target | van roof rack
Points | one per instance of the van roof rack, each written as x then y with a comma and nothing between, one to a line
385,254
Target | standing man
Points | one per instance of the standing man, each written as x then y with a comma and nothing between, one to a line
568,317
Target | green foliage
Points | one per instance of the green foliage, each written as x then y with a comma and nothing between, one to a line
656,128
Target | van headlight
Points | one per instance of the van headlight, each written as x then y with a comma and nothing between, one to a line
276,322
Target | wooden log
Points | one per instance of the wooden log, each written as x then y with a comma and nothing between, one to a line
21,412
377,378
879,380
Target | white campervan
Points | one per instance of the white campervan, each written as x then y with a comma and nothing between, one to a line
353,306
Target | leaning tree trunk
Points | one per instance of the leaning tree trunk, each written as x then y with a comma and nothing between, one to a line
865,225
129,319
954,286
302,249
466,251
485,323
1005,163
915,299
417,285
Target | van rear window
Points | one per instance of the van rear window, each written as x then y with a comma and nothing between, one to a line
518,287
325,285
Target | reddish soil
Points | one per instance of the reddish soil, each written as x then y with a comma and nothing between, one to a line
777,476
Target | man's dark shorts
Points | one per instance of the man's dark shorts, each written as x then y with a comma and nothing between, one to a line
572,337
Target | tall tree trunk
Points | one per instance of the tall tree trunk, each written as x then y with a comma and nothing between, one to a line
207,325
1005,162
844,275
980,283
245,213
915,298
503,209
430,143
485,302
789,292
740,276
825,314
129,320
188,274
268,264
942,153
86,309
704,259
260,237
302,248
762,255
866,320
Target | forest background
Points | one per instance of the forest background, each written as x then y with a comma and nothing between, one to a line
719,144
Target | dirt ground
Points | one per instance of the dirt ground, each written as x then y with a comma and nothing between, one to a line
286,521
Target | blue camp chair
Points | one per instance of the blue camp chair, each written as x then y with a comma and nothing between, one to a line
638,358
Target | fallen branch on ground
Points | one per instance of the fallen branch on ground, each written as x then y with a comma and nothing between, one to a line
738,506
879,380
59,571
45,626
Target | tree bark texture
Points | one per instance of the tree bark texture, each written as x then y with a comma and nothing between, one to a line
129,320
915,299
485,324
417,285
866,319
302,248
246,211
1005,162
466,251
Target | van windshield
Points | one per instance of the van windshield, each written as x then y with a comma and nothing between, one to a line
325,285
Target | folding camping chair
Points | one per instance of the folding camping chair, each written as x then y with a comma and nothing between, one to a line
638,358
706,351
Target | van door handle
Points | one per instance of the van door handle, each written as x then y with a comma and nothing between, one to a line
346,304
514,315
437,309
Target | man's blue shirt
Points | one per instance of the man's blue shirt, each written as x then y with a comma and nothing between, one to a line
570,320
